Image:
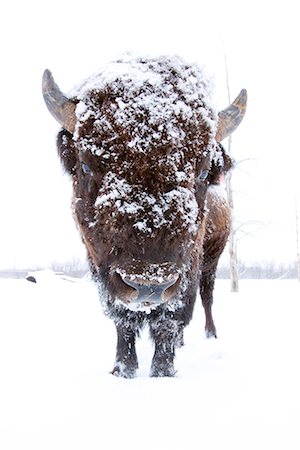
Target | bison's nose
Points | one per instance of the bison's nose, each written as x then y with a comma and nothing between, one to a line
151,293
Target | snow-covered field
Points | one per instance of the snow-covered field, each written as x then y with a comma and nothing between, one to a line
240,391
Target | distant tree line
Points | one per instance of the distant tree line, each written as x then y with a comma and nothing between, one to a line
79,268
265,270
75,268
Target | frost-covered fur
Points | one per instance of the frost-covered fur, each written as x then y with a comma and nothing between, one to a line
145,134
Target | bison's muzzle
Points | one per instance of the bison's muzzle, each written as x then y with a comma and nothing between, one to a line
141,285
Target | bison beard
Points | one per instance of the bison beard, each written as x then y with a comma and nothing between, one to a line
141,143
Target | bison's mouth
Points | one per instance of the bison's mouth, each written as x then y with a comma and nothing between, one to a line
144,290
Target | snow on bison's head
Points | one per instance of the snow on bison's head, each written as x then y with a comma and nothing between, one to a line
139,140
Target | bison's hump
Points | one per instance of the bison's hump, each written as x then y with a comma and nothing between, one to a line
156,100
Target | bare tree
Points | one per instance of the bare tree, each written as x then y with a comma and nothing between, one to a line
232,238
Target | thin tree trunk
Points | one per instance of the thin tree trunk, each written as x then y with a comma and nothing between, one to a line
232,241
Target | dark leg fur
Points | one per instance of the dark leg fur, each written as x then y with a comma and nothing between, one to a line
126,360
166,334
207,282
180,339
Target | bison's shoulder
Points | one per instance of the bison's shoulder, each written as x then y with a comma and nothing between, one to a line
217,225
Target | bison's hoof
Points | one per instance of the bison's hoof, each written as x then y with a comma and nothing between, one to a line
162,372
120,370
211,334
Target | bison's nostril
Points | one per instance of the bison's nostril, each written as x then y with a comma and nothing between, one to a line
123,290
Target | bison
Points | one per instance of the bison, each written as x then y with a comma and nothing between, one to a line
141,143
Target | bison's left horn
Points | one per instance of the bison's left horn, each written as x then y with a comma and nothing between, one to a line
60,106
231,117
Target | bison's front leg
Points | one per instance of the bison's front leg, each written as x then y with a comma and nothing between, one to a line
126,360
165,333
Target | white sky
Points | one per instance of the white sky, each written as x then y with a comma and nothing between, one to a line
75,38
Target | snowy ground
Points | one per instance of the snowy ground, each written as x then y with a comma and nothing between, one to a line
240,391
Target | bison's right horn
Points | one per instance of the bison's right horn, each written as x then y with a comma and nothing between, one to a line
231,117
60,106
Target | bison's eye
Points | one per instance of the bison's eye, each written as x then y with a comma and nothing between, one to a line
203,175
85,168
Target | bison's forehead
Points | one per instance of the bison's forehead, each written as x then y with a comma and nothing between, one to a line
176,209
139,105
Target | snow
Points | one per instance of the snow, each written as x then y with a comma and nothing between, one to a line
218,192
217,197
240,391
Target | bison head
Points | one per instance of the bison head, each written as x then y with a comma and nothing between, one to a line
139,141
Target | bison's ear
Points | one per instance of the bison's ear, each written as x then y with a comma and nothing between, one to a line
59,105
66,151
231,117
220,167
